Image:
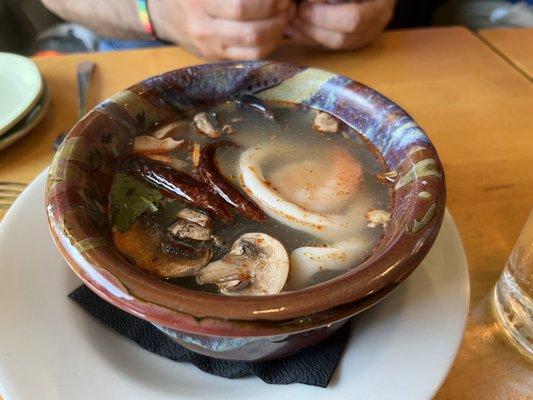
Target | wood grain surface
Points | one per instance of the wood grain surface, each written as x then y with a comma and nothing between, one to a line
513,44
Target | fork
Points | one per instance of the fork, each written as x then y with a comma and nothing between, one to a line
9,191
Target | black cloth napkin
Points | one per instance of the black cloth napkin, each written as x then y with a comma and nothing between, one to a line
312,366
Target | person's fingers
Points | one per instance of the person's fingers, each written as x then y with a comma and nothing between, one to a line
245,10
238,40
296,35
249,34
292,10
335,40
219,38
324,37
346,17
247,53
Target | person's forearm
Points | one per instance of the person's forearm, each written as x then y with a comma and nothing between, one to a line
116,18
215,29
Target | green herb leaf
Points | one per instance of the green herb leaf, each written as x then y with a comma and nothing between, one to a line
168,212
130,197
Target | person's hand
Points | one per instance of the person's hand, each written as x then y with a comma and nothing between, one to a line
348,25
222,29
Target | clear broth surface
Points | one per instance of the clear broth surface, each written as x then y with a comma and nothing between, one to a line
291,128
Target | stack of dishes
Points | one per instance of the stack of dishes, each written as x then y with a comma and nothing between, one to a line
24,98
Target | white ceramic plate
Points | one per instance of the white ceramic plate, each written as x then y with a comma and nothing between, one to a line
28,123
50,348
20,87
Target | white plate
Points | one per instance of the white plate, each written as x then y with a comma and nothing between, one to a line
20,87
51,349
28,123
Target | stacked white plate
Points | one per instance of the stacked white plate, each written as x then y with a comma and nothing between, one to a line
24,98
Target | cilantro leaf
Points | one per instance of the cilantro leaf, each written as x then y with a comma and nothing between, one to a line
130,197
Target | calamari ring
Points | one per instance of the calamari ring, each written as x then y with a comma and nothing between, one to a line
328,227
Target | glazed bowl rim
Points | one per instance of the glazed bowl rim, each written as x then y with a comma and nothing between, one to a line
200,312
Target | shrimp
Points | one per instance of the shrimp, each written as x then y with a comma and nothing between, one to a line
335,191
316,188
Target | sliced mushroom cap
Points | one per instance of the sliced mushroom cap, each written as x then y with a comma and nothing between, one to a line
190,230
169,130
192,224
195,154
227,130
145,144
173,162
207,124
145,249
377,217
325,123
257,264
196,216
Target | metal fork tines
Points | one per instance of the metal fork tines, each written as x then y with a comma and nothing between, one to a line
9,191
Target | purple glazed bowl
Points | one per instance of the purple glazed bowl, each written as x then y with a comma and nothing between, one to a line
241,327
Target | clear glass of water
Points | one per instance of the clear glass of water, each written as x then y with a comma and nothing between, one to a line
512,300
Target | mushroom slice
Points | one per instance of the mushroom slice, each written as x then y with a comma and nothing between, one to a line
145,250
207,123
168,130
377,217
227,130
190,230
192,215
173,162
257,264
192,224
195,154
145,144
325,123
387,177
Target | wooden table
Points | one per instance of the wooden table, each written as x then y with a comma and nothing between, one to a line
513,44
475,106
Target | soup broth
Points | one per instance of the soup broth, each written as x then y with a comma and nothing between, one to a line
312,200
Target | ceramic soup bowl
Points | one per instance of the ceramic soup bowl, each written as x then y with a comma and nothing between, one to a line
241,327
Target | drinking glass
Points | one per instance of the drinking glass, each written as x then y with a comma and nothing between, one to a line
512,300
